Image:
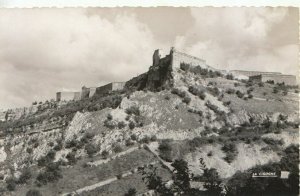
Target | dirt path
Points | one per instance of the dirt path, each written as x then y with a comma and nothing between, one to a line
102,161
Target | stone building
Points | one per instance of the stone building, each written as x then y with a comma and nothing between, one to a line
113,86
68,96
251,73
276,78
87,92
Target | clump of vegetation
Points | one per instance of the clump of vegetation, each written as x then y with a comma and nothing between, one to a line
197,92
11,184
109,123
239,94
231,151
91,149
33,192
44,161
165,150
133,110
214,91
200,113
131,125
51,173
198,70
229,77
117,148
25,176
121,125
104,154
230,91
71,158
186,99
131,192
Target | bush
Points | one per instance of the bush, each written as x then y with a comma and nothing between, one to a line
44,161
153,138
109,124
131,125
146,140
29,150
117,148
133,110
133,137
214,91
165,150
229,77
25,176
230,91
52,173
109,117
11,184
231,151
104,154
33,192
121,125
91,149
71,158
197,92
131,192
239,94
250,96
129,142
186,100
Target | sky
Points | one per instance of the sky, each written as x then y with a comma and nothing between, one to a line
46,50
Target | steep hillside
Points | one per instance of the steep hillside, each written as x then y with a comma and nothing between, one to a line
91,146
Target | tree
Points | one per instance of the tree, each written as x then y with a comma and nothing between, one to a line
33,192
131,192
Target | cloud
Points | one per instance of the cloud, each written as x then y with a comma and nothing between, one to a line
46,50
243,38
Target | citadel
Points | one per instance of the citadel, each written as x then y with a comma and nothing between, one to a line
176,58
155,78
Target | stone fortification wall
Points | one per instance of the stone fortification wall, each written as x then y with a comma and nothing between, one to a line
114,86
251,73
67,96
180,57
287,79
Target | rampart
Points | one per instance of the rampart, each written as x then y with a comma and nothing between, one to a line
114,86
276,78
87,92
180,57
252,73
67,96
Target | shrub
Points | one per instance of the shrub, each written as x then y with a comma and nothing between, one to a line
29,150
186,100
71,158
239,94
109,117
131,125
229,77
184,66
104,154
133,137
209,154
131,192
230,91
43,161
226,103
133,110
109,124
52,173
197,92
129,142
167,97
33,192
146,140
250,96
91,149
11,184
165,150
153,138
117,148
275,90
214,91
25,176
121,125
231,151
119,176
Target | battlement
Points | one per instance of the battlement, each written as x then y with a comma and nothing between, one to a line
67,96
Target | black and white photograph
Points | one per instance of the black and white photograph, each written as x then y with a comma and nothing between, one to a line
149,101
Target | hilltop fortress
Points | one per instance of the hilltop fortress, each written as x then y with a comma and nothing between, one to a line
159,73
